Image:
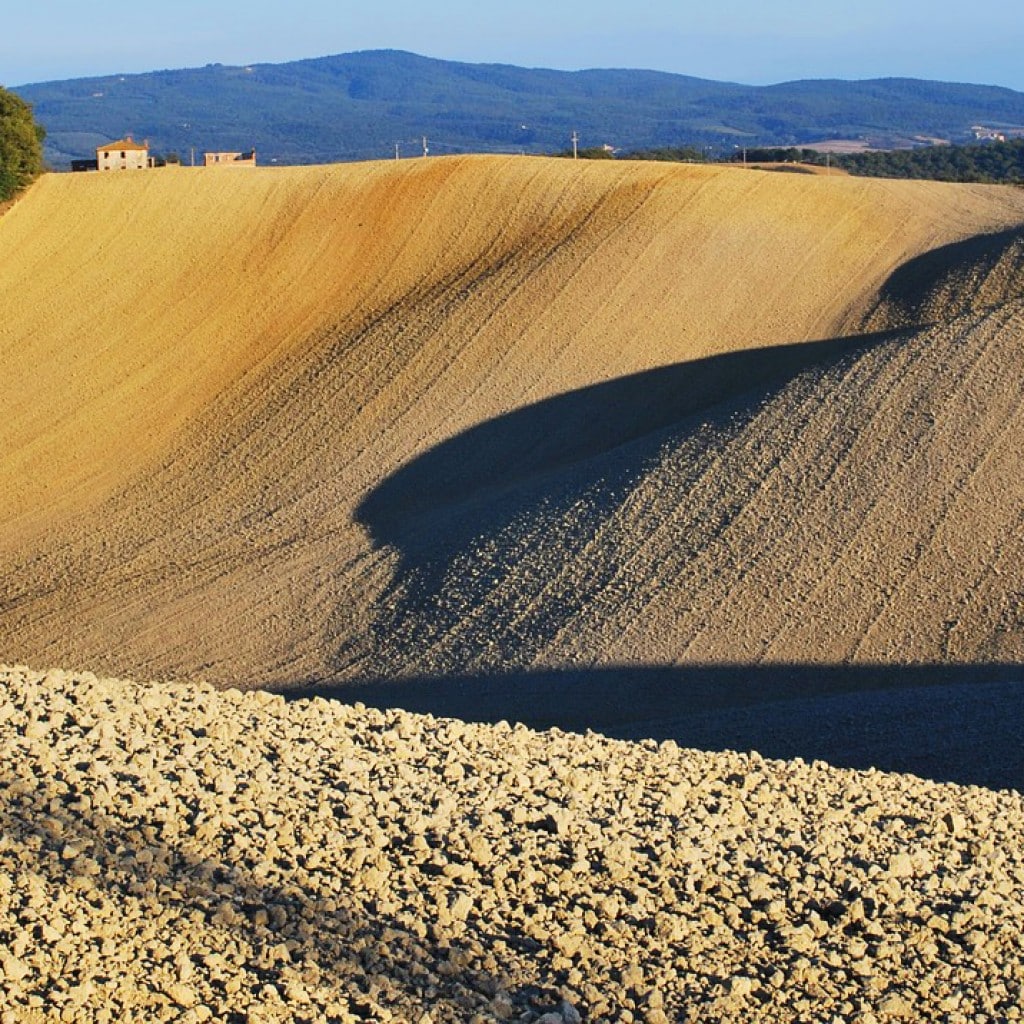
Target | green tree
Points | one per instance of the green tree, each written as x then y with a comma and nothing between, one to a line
992,162
670,154
21,145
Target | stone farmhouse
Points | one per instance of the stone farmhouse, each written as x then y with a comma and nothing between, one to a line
123,155
128,155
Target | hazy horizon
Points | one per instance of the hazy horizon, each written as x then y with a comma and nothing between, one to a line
737,41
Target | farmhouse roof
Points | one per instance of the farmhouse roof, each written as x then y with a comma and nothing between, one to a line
123,144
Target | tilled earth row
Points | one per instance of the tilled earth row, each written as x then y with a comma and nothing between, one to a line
173,852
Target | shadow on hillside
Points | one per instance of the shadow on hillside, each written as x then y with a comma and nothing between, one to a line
568,429
534,486
957,277
952,723
497,457
454,516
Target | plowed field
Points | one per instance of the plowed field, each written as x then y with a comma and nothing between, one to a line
463,417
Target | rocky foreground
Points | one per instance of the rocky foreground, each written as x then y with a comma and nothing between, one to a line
175,853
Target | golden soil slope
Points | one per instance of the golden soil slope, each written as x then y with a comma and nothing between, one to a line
467,414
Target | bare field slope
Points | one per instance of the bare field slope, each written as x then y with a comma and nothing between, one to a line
462,416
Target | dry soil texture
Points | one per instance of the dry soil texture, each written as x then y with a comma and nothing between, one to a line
175,853
467,417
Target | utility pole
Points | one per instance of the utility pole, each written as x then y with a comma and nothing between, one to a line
575,144
425,150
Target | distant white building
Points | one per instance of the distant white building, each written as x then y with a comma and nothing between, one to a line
983,134
230,159
123,155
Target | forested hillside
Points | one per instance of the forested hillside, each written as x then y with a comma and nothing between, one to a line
991,163
996,162
360,106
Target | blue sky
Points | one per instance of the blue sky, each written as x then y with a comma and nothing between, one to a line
737,40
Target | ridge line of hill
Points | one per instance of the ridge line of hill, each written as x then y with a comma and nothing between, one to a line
359,105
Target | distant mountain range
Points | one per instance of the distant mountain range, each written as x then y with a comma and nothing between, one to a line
365,105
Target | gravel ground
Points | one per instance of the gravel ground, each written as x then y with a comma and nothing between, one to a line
176,853
947,723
